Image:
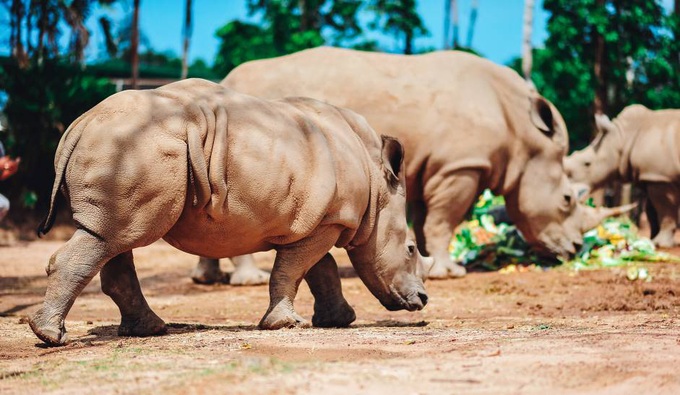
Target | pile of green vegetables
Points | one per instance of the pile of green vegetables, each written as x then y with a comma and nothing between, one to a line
481,244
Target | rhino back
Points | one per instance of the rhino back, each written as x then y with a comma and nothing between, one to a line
288,167
450,109
654,139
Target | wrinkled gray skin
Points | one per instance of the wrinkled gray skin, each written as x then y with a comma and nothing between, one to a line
218,173
640,146
467,124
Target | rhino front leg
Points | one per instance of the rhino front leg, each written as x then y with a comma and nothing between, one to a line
331,310
246,272
207,271
665,199
290,267
446,206
69,270
119,281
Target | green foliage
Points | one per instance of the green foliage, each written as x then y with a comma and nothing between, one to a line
288,26
639,65
43,99
399,18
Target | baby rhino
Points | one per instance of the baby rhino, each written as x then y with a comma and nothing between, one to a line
640,146
219,174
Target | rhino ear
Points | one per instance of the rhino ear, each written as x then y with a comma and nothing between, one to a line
542,116
604,125
392,157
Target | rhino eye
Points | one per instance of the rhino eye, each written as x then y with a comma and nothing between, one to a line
567,199
411,249
587,164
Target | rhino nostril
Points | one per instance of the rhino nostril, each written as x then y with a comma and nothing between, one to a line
423,297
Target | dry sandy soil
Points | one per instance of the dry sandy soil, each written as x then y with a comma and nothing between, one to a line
555,332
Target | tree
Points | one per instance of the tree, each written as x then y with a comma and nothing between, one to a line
474,6
186,37
287,26
134,47
637,59
526,40
399,18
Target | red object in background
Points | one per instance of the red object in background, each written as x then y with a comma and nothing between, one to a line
8,167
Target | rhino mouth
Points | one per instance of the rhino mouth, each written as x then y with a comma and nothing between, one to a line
413,300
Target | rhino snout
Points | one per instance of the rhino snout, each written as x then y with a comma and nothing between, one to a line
412,300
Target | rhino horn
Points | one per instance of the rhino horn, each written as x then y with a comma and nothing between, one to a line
593,216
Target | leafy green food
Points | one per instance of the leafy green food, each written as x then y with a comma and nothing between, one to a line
480,244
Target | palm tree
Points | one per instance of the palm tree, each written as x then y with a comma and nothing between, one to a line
474,6
75,15
526,40
186,38
134,45
454,11
447,22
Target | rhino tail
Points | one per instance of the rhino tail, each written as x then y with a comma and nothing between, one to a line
66,146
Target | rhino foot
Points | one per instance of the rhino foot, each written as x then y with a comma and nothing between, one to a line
664,241
339,316
148,325
209,275
51,331
250,275
441,271
277,320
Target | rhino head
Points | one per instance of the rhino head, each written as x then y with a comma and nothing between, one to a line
599,162
545,205
388,261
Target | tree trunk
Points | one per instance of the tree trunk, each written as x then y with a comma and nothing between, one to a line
187,38
527,57
17,16
134,45
408,44
474,6
600,101
447,23
454,17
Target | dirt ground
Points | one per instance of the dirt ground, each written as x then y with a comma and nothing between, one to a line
556,332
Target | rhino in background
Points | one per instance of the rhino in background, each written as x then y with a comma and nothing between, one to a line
640,146
219,173
466,123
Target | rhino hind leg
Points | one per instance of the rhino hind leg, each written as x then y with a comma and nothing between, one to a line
665,199
652,218
119,281
207,271
446,206
331,309
246,272
292,262
69,270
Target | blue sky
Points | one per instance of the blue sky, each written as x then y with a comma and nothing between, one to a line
498,31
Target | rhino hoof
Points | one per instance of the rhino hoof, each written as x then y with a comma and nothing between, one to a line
52,334
251,276
449,270
339,317
274,321
150,325
209,277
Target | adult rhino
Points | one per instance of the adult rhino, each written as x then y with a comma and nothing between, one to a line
467,124
640,146
219,173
